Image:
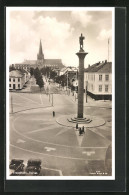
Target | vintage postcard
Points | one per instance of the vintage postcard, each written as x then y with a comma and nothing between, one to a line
60,86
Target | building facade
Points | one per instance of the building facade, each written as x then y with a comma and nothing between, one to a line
98,80
17,79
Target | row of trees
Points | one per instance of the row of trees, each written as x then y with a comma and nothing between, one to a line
49,73
46,71
38,76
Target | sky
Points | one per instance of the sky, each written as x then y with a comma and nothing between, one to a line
59,32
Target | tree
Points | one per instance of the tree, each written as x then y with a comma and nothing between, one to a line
32,71
53,74
47,71
39,82
11,68
37,73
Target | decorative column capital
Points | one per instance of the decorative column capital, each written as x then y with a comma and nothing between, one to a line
81,55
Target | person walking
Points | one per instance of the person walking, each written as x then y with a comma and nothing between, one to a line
53,113
80,131
76,126
83,130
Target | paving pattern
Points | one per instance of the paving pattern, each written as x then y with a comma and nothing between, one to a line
35,133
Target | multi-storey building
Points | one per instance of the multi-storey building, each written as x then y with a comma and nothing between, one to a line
24,66
98,80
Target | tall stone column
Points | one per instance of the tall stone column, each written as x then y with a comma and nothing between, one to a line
81,54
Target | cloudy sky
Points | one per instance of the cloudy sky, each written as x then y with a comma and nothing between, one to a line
59,32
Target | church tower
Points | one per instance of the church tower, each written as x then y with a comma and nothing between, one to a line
40,56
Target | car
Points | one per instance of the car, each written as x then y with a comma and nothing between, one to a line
33,166
17,165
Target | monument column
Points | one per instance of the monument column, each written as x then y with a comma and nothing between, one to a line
80,119
81,55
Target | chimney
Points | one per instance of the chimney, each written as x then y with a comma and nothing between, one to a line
89,66
105,61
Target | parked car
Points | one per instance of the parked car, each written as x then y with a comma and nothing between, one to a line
33,166
17,165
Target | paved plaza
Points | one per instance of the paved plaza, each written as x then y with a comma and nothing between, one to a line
35,133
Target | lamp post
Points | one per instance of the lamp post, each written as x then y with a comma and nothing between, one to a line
52,99
12,103
61,85
67,80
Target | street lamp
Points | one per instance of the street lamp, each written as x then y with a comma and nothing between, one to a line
52,99
67,80
12,103
61,84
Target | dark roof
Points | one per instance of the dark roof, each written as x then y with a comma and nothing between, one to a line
16,73
105,67
30,62
53,61
23,71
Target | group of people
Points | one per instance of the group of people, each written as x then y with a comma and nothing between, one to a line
81,130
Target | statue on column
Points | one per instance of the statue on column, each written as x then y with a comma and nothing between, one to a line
81,38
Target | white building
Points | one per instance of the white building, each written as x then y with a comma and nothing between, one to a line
17,79
98,80
69,70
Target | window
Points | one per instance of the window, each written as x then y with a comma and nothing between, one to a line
13,86
18,79
18,86
106,88
100,88
106,77
13,79
9,85
100,77
9,79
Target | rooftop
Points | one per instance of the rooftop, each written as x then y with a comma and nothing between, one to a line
29,62
104,67
16,73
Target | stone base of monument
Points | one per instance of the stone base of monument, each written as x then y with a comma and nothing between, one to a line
88,121
80,120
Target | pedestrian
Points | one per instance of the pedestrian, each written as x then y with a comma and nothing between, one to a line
83,130
76,125
53,113
80,131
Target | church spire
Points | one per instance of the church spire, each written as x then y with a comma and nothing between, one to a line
40,55
40,48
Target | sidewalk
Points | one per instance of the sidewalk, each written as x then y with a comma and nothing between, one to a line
90,101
